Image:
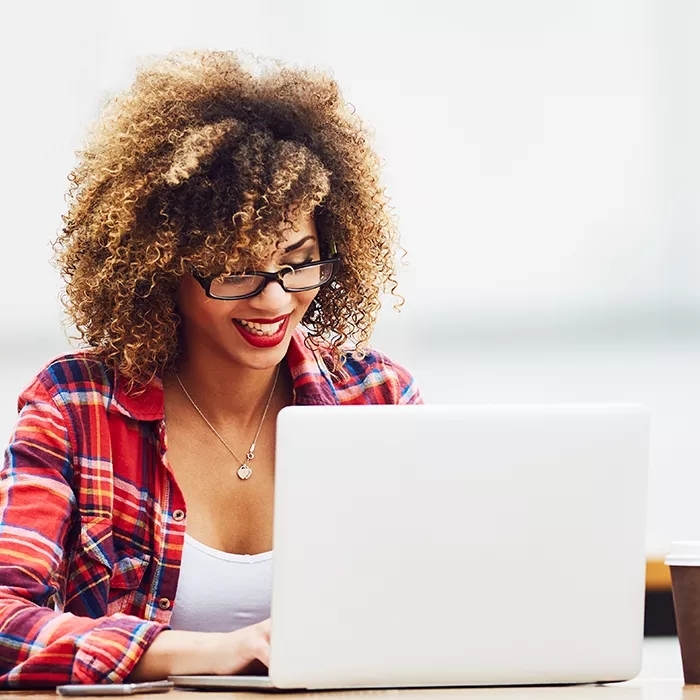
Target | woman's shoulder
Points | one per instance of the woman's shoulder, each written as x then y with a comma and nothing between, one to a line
70,377
370,376
356,377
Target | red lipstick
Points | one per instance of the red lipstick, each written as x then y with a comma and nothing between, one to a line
262,341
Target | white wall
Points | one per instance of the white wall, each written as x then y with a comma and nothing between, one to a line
543,158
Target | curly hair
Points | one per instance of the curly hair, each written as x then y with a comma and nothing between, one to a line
197,167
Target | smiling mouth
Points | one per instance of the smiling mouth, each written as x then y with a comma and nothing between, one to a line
262,329
263,332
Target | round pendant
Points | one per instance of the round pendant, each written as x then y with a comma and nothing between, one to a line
244,472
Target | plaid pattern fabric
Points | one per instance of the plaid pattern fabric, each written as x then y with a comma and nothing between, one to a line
90,534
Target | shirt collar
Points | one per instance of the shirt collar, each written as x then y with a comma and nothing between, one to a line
311,378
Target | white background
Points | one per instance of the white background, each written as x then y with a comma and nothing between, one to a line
543,159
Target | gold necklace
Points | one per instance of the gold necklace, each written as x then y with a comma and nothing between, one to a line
244,471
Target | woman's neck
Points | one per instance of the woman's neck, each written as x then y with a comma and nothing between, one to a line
225,392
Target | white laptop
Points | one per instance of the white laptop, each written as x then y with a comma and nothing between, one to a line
456,546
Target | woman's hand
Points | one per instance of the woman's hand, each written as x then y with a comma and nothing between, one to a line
246,650
176,652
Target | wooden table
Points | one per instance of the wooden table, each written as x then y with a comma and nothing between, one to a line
643,689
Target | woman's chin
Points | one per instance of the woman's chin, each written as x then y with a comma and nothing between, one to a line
261,358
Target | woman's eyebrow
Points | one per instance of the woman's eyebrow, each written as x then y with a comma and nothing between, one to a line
298,244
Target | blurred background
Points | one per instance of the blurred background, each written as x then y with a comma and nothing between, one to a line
543,158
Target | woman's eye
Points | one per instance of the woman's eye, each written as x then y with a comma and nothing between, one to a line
235,280
308,259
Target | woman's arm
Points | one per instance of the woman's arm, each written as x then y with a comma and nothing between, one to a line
38,645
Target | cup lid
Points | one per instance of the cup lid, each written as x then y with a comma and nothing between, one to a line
685,553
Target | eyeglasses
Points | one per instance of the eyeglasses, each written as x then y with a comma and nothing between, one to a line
293,278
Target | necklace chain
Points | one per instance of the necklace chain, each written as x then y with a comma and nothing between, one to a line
244,471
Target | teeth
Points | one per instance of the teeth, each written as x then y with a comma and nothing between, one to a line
262,328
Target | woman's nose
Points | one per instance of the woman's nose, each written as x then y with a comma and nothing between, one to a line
273,296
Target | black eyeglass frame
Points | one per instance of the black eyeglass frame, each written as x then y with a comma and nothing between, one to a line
267,277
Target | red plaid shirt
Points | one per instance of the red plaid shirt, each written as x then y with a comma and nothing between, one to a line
92,521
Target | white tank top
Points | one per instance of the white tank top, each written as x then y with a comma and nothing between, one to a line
221,592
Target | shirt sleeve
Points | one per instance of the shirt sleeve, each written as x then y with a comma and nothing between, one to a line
40,646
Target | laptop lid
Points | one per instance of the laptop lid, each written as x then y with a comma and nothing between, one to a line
458,545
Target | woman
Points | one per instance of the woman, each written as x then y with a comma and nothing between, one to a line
225,247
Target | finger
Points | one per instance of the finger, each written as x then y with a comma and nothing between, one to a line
263,653
266,628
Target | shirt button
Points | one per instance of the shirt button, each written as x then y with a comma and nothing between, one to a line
164,603
178,515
